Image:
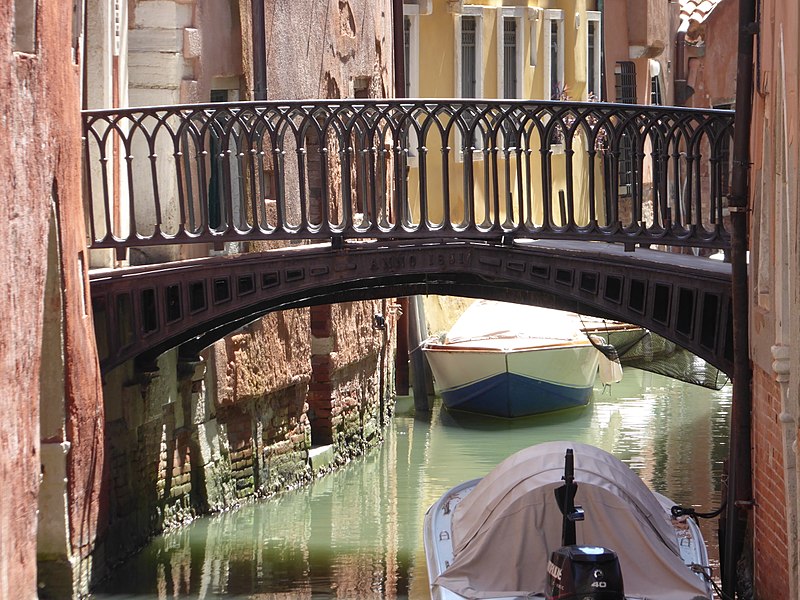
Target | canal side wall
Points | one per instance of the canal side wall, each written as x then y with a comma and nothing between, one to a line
199,437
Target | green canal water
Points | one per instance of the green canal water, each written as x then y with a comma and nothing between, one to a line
357,533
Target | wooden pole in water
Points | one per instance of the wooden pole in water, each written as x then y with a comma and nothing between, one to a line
416,327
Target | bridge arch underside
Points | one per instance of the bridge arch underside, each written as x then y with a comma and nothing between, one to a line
144,311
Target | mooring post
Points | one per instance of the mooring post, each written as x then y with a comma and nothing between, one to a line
416,330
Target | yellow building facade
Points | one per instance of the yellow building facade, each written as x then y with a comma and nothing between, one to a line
550,40
508,50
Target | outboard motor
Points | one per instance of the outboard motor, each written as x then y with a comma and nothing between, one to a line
576,572
584,573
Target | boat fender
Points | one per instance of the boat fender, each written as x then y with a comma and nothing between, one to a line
609,369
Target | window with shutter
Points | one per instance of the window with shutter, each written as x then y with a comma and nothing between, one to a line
553,42
412,13
469,82
625,86
593,56
510,50
407,54
411,24
625,82
656,97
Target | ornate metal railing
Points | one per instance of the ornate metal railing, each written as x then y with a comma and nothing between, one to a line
331,169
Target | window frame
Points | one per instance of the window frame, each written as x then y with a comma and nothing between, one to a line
625,82
534,19
476,12
412,12
517,14
411,15
552,15
656,83
594,64
726,155
625,93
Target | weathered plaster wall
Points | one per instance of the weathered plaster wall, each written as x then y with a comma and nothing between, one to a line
220,46
317,49
284,345
639,31
775,299
711,65
615,37
642,33
177,53
21,338
51,451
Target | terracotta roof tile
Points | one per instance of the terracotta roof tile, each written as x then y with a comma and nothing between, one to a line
697,10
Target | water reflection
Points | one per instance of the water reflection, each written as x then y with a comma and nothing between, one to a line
357,533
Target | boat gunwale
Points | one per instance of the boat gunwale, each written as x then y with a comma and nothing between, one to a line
458,347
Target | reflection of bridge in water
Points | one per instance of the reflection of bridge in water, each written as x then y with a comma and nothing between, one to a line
492,199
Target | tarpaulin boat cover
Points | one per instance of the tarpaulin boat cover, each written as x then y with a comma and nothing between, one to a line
490,320
505,529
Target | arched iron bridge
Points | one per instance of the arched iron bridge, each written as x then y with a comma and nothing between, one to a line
389,198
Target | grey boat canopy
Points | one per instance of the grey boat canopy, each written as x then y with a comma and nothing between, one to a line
504,531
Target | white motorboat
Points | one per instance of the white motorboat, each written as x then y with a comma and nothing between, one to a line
562,520
511,360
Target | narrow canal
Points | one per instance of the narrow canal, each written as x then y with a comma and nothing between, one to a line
357,534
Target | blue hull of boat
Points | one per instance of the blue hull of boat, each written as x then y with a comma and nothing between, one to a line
510,395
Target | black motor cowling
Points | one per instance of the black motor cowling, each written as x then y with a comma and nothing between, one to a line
584,573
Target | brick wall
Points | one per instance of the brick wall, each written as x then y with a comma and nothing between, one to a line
239,426
151,475
355,416
320,394
184,440
773,274
769,517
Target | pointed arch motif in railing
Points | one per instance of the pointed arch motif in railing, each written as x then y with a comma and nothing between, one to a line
477,169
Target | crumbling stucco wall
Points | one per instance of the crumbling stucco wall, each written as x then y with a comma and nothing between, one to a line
51,439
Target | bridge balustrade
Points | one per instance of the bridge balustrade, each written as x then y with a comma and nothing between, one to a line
402,169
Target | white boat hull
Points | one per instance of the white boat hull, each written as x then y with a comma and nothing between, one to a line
515,382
